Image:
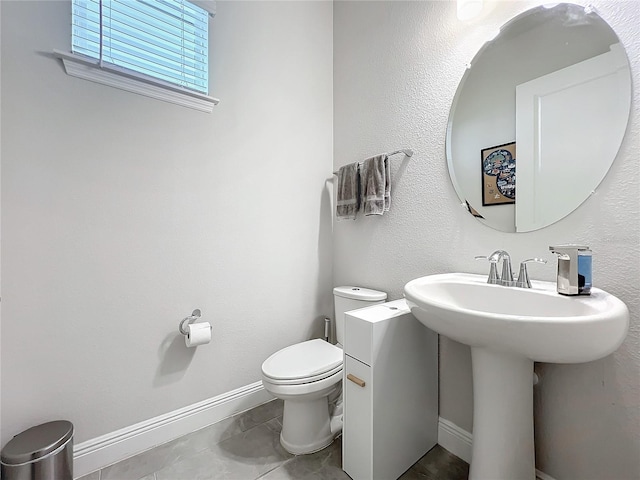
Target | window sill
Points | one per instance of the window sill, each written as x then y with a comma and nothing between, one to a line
113,76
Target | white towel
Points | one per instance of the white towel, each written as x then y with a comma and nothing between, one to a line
348,197
375,178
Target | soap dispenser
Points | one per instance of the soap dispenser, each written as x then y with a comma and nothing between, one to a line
574,269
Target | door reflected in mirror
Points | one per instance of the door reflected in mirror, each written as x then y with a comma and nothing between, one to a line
556,81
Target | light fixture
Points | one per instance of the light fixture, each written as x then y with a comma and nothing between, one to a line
468,9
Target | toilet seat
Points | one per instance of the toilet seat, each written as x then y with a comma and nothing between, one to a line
300,381
304,362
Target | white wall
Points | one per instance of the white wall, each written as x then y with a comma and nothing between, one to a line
121,214
396,69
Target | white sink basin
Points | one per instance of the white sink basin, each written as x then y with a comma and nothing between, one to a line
537,323
508,328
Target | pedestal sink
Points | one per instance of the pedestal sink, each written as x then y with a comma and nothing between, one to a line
508,329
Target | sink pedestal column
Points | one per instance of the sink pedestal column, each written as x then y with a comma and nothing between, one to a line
503,444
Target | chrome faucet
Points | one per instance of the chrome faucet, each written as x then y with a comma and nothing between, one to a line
506,278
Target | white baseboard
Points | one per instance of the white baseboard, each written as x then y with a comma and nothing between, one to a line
458,441
454,439
107,449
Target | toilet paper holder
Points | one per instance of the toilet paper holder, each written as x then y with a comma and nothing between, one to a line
194,317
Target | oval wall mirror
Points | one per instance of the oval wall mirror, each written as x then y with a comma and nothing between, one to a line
539,117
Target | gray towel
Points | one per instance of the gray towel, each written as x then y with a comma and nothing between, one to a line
375,179
348,198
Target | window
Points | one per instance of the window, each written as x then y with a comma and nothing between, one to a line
162,43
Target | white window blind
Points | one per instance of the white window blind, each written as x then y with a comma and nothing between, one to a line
165,39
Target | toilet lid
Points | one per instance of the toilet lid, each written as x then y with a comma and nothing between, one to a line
303,360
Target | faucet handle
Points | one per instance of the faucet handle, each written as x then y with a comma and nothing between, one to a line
493,269
523,275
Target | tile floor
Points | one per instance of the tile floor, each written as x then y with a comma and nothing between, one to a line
247,447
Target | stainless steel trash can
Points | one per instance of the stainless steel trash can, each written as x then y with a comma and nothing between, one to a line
44,452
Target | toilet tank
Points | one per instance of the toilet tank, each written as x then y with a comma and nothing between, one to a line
351,298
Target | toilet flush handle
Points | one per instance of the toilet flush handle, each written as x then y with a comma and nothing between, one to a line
356,380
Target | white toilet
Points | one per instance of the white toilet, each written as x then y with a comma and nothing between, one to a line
308,377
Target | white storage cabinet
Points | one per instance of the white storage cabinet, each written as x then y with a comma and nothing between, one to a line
390,391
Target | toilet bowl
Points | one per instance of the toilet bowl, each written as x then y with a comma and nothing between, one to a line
308,377
304,375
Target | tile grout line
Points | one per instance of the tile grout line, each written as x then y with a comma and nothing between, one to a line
276,467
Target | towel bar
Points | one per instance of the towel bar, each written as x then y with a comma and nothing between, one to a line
407,151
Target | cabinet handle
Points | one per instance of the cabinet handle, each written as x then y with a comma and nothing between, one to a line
356,380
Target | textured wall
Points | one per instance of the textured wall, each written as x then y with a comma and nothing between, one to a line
396,69
122,214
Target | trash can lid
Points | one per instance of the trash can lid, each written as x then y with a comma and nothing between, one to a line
37,442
